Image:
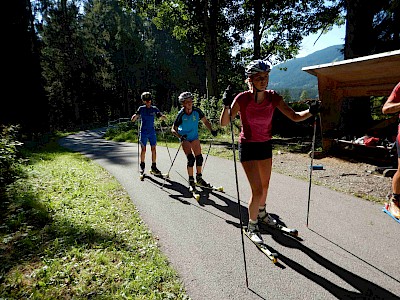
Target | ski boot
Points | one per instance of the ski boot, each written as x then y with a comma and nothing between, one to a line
155,171
265,218
254,234
193,190
141,175
393,206
202,183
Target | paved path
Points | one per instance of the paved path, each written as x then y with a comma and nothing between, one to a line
350,250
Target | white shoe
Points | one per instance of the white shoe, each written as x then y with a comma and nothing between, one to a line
268,220
254,233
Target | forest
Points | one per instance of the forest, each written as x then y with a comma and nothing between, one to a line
81,63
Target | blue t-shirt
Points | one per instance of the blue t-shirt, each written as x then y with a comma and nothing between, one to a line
147,115
189,124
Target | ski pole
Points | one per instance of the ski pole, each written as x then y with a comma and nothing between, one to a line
166,144
138,141
311,167
238,197
208,152
172,163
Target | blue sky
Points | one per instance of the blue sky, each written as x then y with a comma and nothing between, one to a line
333,37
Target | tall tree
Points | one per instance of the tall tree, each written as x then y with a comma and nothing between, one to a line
22,81
371,27
277,27
202,24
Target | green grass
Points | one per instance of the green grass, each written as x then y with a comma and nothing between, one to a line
68,230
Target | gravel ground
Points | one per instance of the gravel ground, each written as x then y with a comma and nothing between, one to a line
355,178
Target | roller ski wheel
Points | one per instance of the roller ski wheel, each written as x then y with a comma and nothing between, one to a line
194,193
263,248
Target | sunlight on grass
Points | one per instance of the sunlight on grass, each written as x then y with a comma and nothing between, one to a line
87,242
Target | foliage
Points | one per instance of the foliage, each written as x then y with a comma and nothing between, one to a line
277,27
10,156
70,231
98,56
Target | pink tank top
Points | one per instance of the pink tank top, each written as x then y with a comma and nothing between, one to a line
256,118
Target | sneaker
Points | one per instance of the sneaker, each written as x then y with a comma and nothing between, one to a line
254,233
267,219
201,182
155,171
394,207
141,171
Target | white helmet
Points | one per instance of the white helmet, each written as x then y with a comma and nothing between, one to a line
146,96
257,66
185,95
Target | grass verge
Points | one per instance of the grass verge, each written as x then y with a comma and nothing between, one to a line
69,231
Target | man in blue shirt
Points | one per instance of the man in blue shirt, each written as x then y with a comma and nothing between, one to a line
147,113
185,127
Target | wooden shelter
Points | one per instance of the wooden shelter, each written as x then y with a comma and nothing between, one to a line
373,75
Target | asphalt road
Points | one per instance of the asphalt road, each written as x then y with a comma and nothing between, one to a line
350,250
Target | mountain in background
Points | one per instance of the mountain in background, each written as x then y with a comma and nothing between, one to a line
294,84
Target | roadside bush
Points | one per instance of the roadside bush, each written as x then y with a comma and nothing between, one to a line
10,159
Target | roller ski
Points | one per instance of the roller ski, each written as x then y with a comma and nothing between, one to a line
265,218
194,193
200,182
392,209
193,190
255,237
156,172
141,175
141,172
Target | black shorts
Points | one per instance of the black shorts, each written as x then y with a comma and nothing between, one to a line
255,151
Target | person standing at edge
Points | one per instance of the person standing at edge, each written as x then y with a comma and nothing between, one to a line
391,106
147,113
256,107
186,128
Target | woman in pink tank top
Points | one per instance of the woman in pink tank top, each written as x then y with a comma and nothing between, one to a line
256,108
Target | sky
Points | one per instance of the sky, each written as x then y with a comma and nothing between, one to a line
333,37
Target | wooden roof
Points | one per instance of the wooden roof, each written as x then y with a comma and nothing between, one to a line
373,75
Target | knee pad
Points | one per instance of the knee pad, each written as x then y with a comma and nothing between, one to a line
190,160
199,160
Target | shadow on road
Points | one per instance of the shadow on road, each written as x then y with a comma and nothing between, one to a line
229,205
366,289
93,139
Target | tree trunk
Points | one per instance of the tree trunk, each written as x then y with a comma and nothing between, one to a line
256,30
360,38
211,58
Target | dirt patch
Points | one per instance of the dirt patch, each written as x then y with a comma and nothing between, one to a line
355,178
